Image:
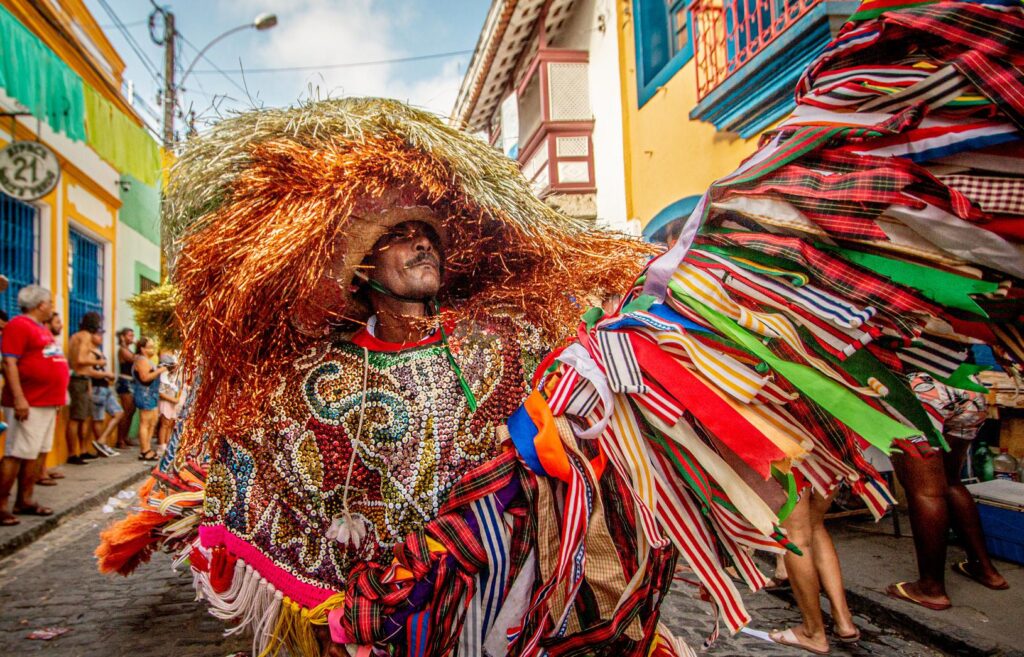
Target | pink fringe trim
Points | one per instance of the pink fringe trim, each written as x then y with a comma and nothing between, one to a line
307,595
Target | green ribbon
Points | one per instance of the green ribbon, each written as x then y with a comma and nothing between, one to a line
961,378
795,273
769,266
945,288
592,317
788,483
869,13
877,428
470,398
641,303
863,365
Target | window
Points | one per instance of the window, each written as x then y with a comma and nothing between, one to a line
146,284
680,27
85,278
19,249
664,42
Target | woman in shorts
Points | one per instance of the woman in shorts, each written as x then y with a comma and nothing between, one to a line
146,395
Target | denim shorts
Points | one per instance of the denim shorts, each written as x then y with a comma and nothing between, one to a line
104,401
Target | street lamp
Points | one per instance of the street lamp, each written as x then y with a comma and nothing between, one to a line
261,22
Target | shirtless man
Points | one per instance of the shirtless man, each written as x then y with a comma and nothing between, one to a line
82,361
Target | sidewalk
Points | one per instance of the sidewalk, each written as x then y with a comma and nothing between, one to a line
82,487
981,622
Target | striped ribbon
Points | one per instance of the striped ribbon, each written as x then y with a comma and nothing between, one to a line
494,535
692,282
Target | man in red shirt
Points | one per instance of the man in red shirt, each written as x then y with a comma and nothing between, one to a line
37,380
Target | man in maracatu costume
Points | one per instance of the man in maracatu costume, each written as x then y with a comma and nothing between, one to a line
402,440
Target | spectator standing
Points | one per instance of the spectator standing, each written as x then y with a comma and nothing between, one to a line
125,365
104,402
146,389
937,499
56,326
36,374
80,388
3,323
171,393
49,476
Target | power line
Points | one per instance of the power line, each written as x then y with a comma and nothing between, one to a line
217,69
147,63
398,60
107,26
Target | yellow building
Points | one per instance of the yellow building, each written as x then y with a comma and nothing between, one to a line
700,80
94,239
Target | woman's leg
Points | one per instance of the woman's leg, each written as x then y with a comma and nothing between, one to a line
827,562
963,514
113,424
166,424
924,480
147,420
803,576
125,425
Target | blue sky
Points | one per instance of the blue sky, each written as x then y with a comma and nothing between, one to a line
309,33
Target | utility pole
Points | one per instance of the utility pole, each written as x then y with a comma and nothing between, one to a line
169,91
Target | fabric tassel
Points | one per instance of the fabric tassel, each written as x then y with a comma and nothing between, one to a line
128,543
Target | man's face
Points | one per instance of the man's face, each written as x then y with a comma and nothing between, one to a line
46,310
407,261
55,324
127,338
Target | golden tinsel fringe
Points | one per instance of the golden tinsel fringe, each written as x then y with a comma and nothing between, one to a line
258,224
155,314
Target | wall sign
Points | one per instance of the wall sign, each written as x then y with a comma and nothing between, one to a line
29,170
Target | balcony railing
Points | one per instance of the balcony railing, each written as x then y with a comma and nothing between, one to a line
729,33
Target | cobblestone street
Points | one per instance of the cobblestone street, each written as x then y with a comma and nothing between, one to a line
54,583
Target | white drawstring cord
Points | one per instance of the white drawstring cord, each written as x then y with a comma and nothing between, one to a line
348,531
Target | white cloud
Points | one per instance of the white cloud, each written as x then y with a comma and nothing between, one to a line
325,32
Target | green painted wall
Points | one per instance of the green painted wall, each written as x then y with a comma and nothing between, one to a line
140,209
142,269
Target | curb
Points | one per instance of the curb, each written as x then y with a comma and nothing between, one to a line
19,541
947,638
880,610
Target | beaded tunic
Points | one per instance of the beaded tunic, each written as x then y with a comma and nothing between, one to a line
280,487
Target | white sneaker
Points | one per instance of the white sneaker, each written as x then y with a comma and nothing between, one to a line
103,449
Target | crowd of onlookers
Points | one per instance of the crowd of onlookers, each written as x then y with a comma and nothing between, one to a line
38,379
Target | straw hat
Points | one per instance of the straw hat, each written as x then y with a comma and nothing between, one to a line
270,213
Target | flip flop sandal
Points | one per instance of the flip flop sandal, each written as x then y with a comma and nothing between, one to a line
9,521
149,455
778,584
847,638
35,510
56,475
46,482
898,591
960,567
787,637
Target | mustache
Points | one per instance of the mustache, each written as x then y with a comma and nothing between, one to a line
424,257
